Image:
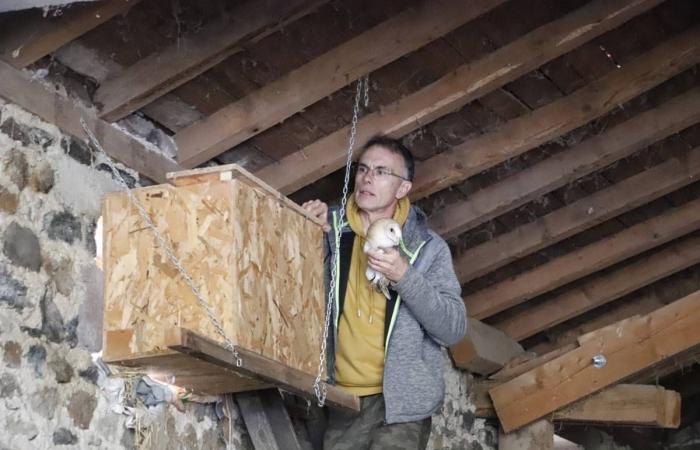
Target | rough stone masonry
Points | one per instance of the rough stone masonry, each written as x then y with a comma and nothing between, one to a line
52,395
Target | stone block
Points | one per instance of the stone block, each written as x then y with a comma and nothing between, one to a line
21,247
8,201
63,226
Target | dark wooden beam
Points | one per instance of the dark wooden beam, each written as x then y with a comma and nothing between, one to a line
602,289
585,261
564,167
19,88
561,116
160,73
384,43
583,214
24,42
484,349
456,89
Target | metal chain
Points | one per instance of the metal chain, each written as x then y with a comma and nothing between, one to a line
165,246
320,387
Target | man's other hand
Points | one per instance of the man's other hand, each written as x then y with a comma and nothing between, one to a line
319,210
388,262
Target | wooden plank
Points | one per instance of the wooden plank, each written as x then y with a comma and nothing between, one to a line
484,349
584,261
622,404
169,110
536,436
581,215
628,346
602,289
160,73
561,116
564,167
257,366
19,88
268,422
386,42
509,372
25,42
229,172
456,89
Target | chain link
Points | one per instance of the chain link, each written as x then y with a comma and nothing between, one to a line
167,249
320,387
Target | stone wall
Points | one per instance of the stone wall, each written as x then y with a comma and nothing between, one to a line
52,395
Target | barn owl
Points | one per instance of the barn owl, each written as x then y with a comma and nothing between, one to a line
382,234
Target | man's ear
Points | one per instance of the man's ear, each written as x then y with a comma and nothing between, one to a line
404,189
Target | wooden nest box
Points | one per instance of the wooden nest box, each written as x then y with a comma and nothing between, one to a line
257,259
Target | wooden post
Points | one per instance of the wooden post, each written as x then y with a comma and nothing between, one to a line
268,422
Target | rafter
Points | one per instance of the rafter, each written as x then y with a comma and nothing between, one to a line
160,73
19,88
587,212
585,261
23,43
403,33
602,289
592,154
456,89
484,349
629,347
559,117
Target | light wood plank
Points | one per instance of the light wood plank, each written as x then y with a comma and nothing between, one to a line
629,347
561,116
585,261
160,73
484,349
622,404
23,43
585,158
456,89
602,289
19,88
403,33
509,371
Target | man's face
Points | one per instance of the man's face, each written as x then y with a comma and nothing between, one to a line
375,190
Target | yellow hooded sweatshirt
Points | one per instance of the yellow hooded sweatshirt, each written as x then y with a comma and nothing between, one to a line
359,365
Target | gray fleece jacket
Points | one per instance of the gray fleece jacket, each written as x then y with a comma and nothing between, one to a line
426,312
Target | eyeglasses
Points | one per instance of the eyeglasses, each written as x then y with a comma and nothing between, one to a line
378,173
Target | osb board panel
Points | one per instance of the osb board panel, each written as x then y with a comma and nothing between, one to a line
257,263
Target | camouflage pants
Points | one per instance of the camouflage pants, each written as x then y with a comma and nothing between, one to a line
367,430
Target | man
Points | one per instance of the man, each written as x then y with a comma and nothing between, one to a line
388,352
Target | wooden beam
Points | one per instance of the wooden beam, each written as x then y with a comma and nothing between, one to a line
585,261
565,167
484,349
628,347
160,73
581,215
602,289
386,42
456,89
258,367
536,436
561,116
19,88
24,42
622,404
169,110
509,372
267,421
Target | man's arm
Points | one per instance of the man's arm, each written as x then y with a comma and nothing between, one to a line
434,297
